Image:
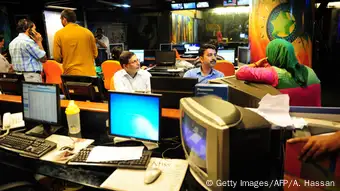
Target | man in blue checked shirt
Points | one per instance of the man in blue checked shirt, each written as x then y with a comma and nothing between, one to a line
207,55
27,52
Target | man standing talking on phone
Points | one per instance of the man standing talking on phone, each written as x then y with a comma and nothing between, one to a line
27,52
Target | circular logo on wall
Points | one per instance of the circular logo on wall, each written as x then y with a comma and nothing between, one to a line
281,23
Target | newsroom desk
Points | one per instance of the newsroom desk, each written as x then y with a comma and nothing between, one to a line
93,117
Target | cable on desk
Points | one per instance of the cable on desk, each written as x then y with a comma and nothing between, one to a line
174,148
5,134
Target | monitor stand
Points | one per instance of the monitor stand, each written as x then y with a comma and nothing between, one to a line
130,142
43,131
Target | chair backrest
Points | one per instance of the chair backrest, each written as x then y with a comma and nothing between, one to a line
226,67
109,68
307,96
53,71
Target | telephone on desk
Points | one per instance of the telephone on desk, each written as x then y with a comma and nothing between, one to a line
12,121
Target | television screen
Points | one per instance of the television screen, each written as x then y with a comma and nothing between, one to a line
229,2
242,2
176,6
191,5
204,4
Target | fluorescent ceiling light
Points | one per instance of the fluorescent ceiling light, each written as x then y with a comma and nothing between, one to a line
114,4
60,7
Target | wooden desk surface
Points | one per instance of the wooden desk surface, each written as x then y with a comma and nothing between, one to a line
91,106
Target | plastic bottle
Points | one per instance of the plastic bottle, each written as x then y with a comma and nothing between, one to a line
73,118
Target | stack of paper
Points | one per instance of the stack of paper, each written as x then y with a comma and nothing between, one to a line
171,179
103,153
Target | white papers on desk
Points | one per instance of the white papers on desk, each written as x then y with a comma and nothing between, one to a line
102,153
171,179
275,109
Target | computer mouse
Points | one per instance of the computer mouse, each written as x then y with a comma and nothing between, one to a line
67,147
151,174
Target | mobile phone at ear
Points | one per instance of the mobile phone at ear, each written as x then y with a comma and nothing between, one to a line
30,32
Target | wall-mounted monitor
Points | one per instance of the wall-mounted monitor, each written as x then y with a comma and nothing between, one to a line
204,4
177,6
191,48
229,2
242,2
191,5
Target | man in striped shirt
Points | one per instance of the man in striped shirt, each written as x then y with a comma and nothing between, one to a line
27,52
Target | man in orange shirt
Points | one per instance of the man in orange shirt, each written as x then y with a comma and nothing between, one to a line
75,47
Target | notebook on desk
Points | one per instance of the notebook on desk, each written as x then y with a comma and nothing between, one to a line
171,179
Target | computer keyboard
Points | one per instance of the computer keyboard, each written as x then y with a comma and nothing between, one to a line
26,145
81,157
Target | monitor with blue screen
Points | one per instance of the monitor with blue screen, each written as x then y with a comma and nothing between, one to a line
191,48
228,54
191,5
135,115
139,54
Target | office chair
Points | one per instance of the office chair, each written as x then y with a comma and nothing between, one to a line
226,67
109,68
53,71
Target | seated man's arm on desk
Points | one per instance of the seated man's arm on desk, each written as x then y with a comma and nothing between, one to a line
317,145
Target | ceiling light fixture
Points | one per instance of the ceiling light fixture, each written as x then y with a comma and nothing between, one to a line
60,7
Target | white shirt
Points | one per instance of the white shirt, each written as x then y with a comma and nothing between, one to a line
124,82
106,41
4,64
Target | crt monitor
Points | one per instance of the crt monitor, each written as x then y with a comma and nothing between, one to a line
165,57
83,88
222,140
243,55
135,115
10,83
191,48
173,89
41,104
227,54
139,54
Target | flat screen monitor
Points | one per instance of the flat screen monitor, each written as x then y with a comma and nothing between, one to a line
218,139
191,48
243,55
167,58
139,54
229,2
173,89
177,6
191,5
135,115
204,4
41,104
228,54
165,47
242,2
10,83
179,47
83,88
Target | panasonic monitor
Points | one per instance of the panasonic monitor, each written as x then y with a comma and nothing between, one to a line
139,54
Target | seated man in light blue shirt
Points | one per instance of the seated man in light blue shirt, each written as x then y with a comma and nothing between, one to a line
207,55
131,78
